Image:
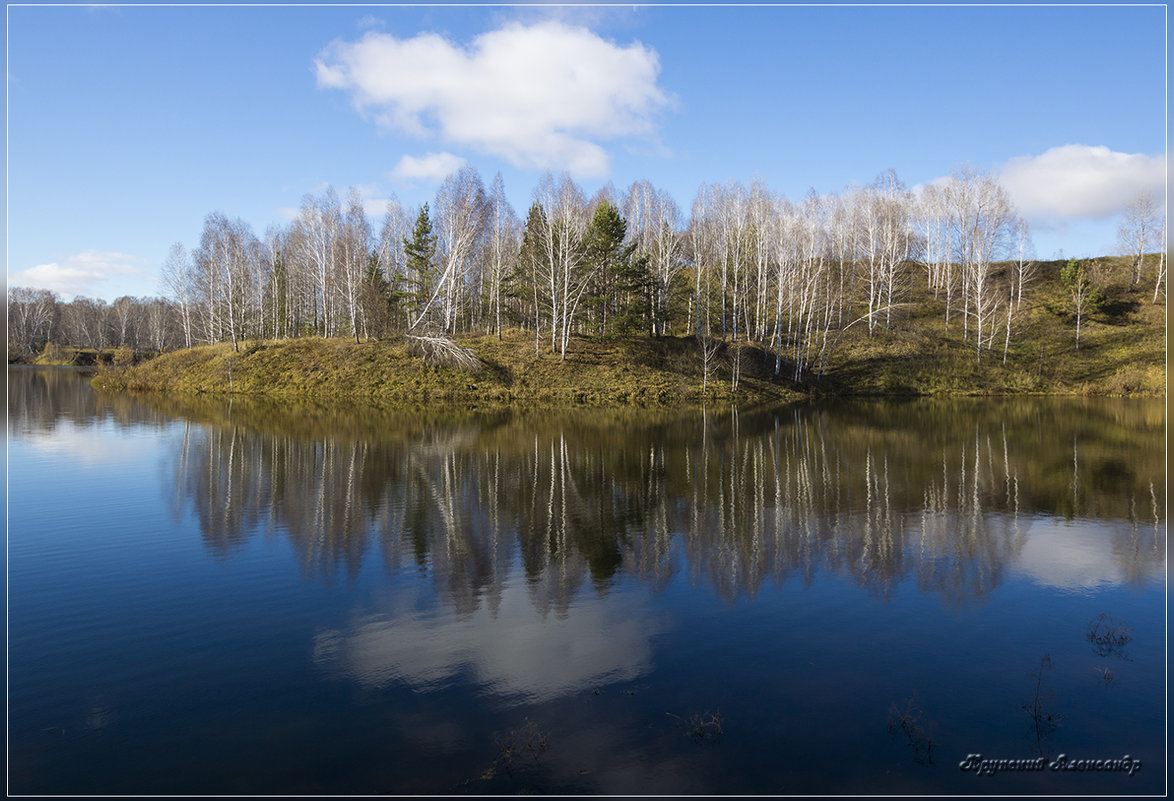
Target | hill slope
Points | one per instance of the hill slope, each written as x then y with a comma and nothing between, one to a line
1122,352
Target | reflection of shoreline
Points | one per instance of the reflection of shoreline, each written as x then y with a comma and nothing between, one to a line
745,498
941,493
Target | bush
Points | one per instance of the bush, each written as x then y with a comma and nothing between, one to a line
124,357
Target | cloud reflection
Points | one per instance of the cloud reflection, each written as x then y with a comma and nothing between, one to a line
1087,555
514,650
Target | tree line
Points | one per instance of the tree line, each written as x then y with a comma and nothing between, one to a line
747,264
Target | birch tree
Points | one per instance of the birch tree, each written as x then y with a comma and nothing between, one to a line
1159,283
176,275
732,225
981,226
32,317
1137,232
318,223
702,239
1076,276
567,270
653,222
460,206
354,240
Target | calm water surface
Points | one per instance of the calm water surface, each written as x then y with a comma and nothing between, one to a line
211,598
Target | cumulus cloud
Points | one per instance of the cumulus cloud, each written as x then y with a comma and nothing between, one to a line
91,272
431,167
540,96
1073,182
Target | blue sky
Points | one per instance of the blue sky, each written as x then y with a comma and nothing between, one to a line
127,125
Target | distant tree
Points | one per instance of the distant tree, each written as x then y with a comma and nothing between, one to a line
227,262
1076,276
84,323
175,275
126,319
981,227
1138,230
32,316
1025,266
159,322
1159,284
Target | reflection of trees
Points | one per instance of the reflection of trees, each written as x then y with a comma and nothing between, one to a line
937,493
41,398
745,498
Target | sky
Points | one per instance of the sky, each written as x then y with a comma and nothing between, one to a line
127,125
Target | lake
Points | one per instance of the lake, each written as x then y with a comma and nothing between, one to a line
215,597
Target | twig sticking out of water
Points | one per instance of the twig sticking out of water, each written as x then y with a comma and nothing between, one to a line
1109,636
702,727
1043,719
917,728
514,744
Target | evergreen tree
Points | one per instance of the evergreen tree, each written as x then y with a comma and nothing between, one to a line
523,283
419,252
635,290
377,299
609,259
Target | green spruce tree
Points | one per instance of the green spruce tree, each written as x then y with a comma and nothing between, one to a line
522,284
377,299
419,252
609,259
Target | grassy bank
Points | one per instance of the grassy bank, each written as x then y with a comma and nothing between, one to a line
638,371
1122,346
55,355
1122,352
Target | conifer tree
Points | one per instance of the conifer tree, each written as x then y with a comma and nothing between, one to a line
608,256
419,253
531,258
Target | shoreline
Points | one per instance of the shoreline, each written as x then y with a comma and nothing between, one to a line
662,372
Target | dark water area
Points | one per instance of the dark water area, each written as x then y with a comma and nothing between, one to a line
214,597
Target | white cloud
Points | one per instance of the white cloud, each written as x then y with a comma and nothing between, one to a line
540,96
87,273
1080,181
374,200
431,167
